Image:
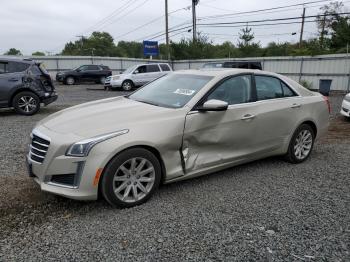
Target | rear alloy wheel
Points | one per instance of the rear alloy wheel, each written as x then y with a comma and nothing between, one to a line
127,85
70,80
301,144
26,103
131,178
102,80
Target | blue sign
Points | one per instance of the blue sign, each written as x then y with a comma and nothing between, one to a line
150,48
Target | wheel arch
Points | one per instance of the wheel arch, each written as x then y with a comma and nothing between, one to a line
20,90
311,124
151,149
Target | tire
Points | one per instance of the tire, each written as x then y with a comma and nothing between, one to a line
127,85
69,80
301,144
123,185
102,80
26,103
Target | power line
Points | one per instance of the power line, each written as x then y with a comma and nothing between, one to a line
259,10
275,19
148,23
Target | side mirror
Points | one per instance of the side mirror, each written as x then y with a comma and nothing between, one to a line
213,105
136,71
78,70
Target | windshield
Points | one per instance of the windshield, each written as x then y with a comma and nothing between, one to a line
172,90
129,70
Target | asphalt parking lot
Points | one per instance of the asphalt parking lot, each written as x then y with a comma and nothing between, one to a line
268,210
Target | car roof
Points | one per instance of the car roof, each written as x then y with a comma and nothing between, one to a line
222,72
17,59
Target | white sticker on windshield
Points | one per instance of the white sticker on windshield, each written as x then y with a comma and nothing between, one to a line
186,92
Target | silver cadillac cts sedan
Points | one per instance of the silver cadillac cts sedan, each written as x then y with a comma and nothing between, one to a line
182,125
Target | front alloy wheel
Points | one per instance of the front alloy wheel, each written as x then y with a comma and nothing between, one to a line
127,85
131,178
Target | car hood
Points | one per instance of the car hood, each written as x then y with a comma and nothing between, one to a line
105,116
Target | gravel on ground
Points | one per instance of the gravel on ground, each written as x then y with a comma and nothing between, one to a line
268,210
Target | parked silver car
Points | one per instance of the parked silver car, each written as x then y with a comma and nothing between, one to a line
345,107
136,76
182,125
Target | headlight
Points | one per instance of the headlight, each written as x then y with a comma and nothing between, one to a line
82,148
115,77
347,98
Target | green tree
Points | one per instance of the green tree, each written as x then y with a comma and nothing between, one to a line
38,53
246,45
98,44
13,51
328,20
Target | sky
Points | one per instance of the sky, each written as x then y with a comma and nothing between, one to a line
46,25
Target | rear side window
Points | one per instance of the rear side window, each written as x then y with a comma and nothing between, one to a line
105,68
15,67
93,67
164,67
287,92
268,87
152,68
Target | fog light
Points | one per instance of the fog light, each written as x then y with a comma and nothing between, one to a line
47,94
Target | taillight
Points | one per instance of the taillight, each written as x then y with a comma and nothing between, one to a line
328,104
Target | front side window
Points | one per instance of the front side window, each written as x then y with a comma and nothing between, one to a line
152,68
172,90
83,68
141,70
236,90
287,92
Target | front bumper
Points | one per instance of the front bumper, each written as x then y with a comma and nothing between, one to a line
56,165
345,108
116,83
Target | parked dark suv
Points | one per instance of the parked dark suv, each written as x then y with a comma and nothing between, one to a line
84,73
24,84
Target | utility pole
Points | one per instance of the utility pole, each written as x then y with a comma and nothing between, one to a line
322,32
194,19
302,29
167,30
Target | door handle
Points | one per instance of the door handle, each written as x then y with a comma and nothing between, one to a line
295,105
247,117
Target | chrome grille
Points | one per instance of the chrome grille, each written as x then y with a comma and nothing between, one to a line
38,148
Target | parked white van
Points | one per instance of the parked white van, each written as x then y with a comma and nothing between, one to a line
136,76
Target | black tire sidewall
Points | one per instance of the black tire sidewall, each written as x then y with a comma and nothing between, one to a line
291,152
26,93
106,184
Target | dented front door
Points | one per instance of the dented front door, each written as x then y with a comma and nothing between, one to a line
217,138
